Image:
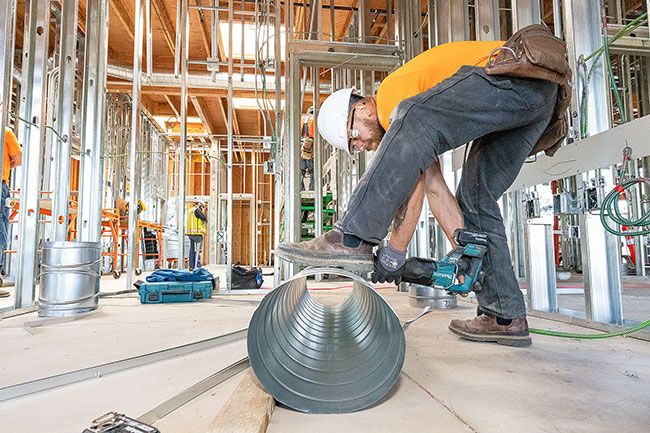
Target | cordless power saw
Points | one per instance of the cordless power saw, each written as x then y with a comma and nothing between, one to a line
465,261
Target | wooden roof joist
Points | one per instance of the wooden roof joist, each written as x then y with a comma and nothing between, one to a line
126,87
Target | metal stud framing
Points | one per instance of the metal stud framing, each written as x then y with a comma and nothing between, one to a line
136,126
32,134
7,31
92,132
65,104
183,48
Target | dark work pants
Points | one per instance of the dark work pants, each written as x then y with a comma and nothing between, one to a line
505,117
306,167
196,246
4,223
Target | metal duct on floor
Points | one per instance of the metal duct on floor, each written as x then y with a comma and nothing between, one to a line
326,359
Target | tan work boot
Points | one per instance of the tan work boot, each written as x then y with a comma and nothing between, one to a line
486,328
328,250
4,294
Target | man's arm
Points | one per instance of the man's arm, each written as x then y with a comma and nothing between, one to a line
407,218
200,214
14,149
443,205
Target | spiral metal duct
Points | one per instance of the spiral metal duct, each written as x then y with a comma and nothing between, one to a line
326,359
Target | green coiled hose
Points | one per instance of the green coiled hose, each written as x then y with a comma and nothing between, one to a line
638,227
609,210
631,330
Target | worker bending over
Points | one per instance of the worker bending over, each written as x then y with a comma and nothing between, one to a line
436,102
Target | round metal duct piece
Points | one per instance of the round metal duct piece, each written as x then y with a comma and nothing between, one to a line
326,359
422,296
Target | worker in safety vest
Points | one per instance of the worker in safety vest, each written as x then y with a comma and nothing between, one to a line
13,157
195,229
436,102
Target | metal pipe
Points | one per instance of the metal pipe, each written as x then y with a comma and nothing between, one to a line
277,211
557,18
61,151
242,48
317,151
180,195
229,211
136,126
431,23
149,38
177,53
214,37
326,359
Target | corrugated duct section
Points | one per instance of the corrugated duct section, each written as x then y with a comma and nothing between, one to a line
326,359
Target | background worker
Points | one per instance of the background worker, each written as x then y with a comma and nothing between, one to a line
307,150
196,229
13,157
438,103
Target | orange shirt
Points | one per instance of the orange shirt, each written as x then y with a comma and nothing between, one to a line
12,149
427,70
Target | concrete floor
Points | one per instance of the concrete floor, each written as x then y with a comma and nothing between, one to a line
447,384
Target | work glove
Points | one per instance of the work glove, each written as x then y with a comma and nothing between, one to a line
389,265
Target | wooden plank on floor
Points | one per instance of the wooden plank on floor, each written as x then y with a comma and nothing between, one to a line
248,410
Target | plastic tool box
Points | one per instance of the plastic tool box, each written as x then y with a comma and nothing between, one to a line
174,291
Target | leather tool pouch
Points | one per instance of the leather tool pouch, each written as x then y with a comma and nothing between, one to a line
532,52
535,53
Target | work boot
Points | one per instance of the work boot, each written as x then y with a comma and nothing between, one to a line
328,250
486,328
4,294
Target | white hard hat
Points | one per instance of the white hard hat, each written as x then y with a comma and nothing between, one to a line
333,119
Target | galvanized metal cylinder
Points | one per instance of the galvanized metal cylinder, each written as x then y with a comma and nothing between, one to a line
69,278
321,358
423,296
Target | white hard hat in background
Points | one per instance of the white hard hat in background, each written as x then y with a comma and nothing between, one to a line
333,119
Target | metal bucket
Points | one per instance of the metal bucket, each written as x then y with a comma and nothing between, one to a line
423,296
69,278
321,358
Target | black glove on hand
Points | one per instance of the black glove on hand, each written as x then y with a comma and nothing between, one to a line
389,266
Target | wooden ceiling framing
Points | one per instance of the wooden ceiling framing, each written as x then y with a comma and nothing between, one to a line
209,104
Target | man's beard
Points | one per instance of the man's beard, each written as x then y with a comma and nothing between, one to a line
377,133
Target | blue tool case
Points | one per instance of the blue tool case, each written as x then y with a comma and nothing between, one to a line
174,291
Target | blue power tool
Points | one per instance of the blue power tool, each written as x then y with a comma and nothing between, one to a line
466,260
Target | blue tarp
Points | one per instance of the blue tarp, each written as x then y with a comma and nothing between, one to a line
198,274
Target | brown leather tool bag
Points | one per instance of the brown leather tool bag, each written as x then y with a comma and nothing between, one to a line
534,52
558,128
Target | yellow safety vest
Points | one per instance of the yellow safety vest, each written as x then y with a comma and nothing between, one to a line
194,225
